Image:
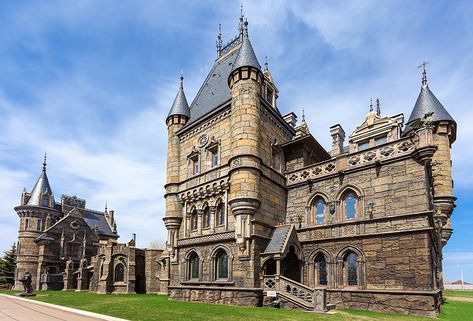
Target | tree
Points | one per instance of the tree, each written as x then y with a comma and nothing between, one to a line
156,244
7,267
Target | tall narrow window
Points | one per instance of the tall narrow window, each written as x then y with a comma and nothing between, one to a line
194,220
350,206
220,214
206,217
321,264
319,211
221,265
214,156
351,262
194,266
119,273
39,225
27,223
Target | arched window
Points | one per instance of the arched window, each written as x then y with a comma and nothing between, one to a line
351,268
318,211
119,275
349,201
321,268
194,220
220,214
206,217
193,266
221,265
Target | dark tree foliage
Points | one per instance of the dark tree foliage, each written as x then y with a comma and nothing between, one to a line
7,267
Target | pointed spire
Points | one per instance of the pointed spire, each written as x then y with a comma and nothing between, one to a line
424,73
246,55
106,210
303,115
180,105
378,108
371,105
219,40
266,63
240,26
41,188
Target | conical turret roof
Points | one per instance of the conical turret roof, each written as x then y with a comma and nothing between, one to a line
40,188
428,103
246,55
180,105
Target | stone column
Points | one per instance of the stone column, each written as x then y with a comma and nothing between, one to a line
213,218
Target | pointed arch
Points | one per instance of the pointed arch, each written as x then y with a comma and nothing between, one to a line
221,264
193,265
351,264
321,270
351,202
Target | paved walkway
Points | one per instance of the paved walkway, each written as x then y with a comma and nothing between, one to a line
19,309
456,298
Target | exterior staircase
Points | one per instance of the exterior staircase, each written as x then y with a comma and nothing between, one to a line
300,295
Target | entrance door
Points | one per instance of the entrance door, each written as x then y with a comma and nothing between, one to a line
291,265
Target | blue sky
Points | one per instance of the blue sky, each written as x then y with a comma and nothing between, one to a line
91,82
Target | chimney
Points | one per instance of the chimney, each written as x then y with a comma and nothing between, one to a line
291,119
338,138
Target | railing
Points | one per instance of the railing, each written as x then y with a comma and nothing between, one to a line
312,299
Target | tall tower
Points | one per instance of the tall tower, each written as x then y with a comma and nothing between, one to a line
177,118
37,212
245,82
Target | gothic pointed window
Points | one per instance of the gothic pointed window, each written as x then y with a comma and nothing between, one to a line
206,217
321,269
350,201
221,265
193,266
194,220
351,268
119,275
220,214
319,211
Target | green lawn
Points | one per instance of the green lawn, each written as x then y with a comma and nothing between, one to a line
467,293
158,307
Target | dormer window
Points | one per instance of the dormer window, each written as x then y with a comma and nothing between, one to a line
363,145
380,140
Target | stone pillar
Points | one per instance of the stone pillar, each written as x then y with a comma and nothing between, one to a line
68,279
338,138
213,218
82,277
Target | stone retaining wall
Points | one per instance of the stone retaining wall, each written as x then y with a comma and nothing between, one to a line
232,296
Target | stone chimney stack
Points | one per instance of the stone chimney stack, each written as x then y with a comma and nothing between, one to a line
291,119
338,138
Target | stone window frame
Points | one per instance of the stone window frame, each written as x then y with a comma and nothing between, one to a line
194,220
119,260
27,223
342,268
206,216
187,266
213,266
212,149
310,209
39,225
359,205
277,151
218,222
313,268
194,160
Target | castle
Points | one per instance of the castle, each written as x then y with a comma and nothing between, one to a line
257,209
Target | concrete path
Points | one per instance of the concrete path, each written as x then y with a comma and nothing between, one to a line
19,309
456,298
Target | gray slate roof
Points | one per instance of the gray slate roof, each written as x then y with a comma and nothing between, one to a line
42,186
246,55
97,219
278,239
215,91
426,103
180,105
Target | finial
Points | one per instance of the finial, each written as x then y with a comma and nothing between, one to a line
182,79
265,63
219,40
424,73
378,108
371,105
245,27
106,207
241,27
44,162
303,115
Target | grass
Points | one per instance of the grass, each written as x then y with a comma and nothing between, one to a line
465,293
158,307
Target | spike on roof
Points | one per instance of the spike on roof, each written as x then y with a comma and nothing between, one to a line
40,188
180,105
428,103
378,107
246,55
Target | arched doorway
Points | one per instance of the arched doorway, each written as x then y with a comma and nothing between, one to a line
291,265
269,267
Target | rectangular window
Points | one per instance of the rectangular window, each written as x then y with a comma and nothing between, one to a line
39,225
27,224
363,145
215,159
380,140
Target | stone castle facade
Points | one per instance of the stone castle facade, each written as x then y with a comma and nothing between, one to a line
257,209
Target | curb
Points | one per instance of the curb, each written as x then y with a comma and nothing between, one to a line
72,310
